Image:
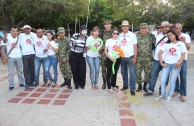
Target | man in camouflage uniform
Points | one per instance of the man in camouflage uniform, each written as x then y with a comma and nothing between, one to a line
105,34
63,56
144,56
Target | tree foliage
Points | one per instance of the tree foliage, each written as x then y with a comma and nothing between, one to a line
55,13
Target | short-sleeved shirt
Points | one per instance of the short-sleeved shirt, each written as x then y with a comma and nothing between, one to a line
111,45
173,51
160,45
50,51
27,43
96,43
187,40
40,46
16,52
127,42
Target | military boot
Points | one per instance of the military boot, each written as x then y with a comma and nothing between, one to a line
139,88
145,87
64,83
104,84
68,83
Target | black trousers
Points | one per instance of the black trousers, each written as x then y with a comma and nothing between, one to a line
28,68
110,77
78,68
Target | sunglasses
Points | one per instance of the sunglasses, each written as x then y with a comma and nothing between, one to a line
115,33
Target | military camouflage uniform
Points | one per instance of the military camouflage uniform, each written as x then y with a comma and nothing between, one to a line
144,57
63,54
106,35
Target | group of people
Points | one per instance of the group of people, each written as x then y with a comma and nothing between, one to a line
163,50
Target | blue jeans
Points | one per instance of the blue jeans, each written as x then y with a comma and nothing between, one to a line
38,61
94,65
12,63
181,86
156,68
52,61
165,73
126,64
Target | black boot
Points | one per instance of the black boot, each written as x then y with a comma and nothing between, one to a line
145,87
68,83
64,83
139,88
104,84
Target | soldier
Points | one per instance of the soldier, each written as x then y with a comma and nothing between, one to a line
106,34
63,57
144,56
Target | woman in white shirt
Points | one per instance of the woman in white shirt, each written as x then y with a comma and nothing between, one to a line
175,53
110,50
52,58
93,44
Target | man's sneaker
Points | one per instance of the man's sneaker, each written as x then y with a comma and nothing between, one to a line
147,94
182,98
168,99
175,94
159,98
83,87
116,89
27,86
21,85
53,84
11,89
132,92
124,88
110,91
76,87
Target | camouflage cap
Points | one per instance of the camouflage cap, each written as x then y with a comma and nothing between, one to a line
143,25
61,29
107,21
165,23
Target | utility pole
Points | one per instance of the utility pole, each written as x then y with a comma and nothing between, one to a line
88,12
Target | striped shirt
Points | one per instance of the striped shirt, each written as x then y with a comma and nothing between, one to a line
78,43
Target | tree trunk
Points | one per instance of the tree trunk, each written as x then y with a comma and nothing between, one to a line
7,18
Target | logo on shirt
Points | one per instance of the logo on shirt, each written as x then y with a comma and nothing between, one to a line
48,47
172,51
14,44
39,44
162,43
96,45
28,41
124,42
115,47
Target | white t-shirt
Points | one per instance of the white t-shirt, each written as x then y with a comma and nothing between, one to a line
187,40
159,46
173,51
127,42
112,44
90,53
50,51
40,46
16,52
27,43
